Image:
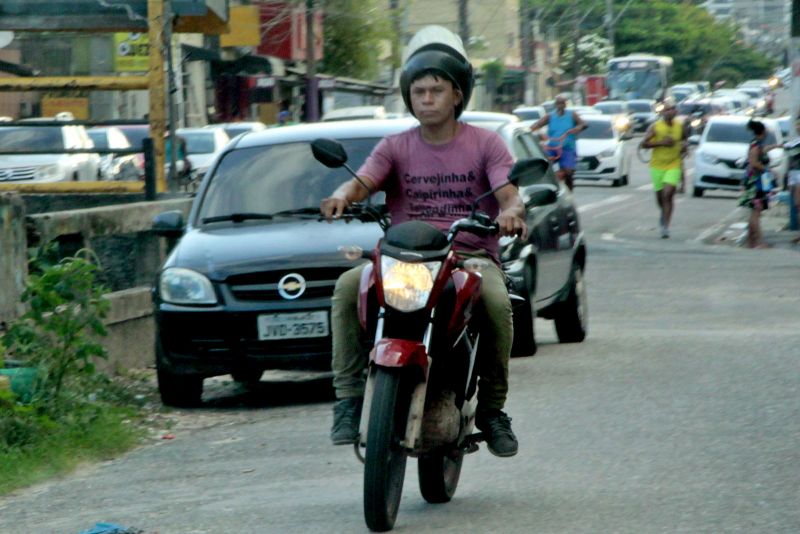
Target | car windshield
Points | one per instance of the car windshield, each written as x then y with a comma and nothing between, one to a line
687,108
734,133
528,114
198,142
608,108
639,107
597,130
99,138
135,134
752,92
233,131
31,137
269,179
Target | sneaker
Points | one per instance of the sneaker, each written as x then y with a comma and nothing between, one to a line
496,428
664,232
346,419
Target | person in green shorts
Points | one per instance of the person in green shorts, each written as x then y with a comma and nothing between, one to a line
668,139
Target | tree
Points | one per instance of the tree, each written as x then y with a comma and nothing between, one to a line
354,33
594,52
699,44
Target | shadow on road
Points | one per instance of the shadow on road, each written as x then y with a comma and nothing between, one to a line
226,394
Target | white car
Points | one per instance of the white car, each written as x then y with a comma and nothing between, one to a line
529,113
44,168
721,156
354,113
202,146
235,128
600,152
116,166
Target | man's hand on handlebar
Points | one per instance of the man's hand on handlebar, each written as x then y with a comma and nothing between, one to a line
511,224
333,208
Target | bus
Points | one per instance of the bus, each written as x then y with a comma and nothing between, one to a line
638,76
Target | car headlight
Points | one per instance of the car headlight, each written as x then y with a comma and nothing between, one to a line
49,172
708,158
622,123
659,107
407,286
184,286
607,153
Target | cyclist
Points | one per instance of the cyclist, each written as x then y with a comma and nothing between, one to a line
562,127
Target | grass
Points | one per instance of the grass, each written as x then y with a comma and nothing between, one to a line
65,447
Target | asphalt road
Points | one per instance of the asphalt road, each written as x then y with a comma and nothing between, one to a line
679,413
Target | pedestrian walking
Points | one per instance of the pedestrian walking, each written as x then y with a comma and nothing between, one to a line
668,138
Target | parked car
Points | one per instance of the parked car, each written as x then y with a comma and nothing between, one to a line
643,114
721,156
202,146
248,285
40,168
116,166
600,149
529,113
232,129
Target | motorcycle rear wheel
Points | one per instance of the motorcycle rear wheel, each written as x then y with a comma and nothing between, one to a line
438,476
385,459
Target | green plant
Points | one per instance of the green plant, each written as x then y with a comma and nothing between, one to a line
57,334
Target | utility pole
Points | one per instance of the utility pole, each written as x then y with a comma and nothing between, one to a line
312,94
169,20
463,22
526,49
610,23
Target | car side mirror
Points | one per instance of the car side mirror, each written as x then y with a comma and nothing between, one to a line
694,139
541,194
169,224
529,171
329,152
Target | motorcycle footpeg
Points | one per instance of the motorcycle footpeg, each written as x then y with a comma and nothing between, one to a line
470,443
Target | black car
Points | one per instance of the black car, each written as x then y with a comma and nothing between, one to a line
248,286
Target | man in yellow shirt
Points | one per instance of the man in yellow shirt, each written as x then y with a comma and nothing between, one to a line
668,139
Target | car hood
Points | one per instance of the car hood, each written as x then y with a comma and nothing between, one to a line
31,160
592,147
724,150
225,249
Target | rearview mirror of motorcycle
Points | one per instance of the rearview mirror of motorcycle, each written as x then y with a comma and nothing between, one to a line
329,152
332,154
525,172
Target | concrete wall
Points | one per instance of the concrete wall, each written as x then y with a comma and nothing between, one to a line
124,229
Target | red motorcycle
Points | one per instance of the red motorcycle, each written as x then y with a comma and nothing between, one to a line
420,300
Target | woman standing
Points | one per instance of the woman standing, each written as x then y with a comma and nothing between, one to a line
755,195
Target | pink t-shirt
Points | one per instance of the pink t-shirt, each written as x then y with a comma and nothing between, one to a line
438,183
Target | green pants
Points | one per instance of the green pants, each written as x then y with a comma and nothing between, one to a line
351,349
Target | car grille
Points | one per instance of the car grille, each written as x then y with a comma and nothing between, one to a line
592,163
17,173
263,286
732,163
721,181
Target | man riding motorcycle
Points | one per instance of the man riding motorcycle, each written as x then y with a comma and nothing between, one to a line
432,173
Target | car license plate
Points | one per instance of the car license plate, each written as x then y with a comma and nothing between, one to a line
292,325
583,165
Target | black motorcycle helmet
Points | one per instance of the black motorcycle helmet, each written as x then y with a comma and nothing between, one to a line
442,60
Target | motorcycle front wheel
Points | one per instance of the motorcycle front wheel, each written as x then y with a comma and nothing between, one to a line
385,459
438,476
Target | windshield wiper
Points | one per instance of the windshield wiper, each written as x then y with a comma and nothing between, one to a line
237,217
298,211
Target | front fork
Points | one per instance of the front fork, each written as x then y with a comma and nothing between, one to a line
413,434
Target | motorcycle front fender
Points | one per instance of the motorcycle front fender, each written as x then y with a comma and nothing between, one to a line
400,353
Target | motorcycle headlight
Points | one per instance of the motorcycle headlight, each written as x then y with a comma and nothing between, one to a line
622,123
607,153
696,123
407,286
48,172
184,286
708,158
